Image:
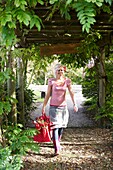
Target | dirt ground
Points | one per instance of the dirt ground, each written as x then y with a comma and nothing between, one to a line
82,149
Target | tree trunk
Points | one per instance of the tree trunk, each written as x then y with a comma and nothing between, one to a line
20,91
11,86
102,79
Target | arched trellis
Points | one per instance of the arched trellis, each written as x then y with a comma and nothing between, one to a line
59,36
58,30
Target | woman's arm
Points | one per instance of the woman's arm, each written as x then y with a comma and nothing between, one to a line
72,97
46,98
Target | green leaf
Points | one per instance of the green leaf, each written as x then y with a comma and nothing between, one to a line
80,14
1,108
67,15
83,20
78,5
32,22
68,2
52,1
111,115
5,18
24,138
11,25
88,9
41,2
35,20
18,3
23,17
8,36
7,106
90,14
91,20
38,25
99,4
109,1
81,7
33,3
86,27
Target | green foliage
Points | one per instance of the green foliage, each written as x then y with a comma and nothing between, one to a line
90,91
4,76
20,141
29,99
5,106
17,11
89,47
5,101
86,10
106,112
109,1
9,161
90,84
22,12
33,3
85,13
29,96
97,2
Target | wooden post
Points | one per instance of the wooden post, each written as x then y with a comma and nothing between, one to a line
20,90
102,80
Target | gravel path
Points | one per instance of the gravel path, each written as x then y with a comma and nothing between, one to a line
84,146
82,149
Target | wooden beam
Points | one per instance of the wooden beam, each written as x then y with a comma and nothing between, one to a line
58,49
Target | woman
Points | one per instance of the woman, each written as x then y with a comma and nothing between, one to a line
58,108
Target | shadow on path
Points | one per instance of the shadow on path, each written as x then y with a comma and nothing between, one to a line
83,149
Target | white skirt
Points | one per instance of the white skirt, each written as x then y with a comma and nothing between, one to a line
58,116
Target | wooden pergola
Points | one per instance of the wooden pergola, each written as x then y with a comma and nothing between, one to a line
58,35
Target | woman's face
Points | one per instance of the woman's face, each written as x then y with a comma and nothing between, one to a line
60,71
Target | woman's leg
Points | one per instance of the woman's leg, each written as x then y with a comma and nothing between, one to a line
60,131
56,141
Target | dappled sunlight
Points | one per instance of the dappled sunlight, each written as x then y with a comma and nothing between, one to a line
87,149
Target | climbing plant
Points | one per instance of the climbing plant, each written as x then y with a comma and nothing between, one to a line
86,10
18,13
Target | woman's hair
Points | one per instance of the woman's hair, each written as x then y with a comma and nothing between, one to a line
57,66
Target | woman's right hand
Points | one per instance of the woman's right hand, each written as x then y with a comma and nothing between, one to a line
43,110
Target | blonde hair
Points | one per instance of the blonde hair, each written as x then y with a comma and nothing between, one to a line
57,66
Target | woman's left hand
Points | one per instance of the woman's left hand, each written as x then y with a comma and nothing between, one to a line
75,108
